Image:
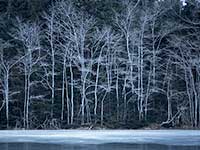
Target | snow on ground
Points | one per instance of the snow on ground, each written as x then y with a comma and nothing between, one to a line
166,137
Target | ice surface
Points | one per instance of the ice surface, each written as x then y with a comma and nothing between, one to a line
166,137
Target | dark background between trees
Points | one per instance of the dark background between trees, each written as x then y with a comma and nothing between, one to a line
99,63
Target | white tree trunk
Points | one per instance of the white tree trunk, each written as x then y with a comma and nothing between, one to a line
63,88
83,99
67,96
117,93
7,96
102,108
52,64
72,93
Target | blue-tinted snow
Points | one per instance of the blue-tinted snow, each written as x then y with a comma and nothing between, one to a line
166,137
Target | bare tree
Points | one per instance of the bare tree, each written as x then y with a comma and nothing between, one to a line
29,35
50,36
186,58
64,27
4,80
124,22
79,26
6,64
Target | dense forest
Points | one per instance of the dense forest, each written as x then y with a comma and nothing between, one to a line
104,63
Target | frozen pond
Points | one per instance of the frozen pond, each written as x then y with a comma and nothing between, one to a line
36,146
100,140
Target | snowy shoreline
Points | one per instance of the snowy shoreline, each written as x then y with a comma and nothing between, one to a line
165,137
